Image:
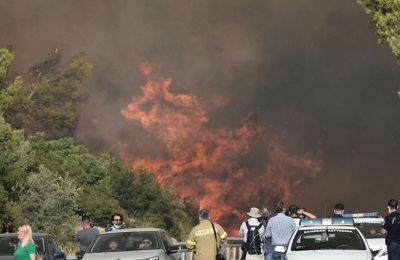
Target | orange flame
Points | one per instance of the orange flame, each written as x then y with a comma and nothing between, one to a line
227,171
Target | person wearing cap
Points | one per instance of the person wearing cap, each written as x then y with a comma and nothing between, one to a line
280,228
202,240
253,222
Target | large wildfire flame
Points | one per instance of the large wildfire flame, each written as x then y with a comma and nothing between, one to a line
227,171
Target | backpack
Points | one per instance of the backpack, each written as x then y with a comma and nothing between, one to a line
253,239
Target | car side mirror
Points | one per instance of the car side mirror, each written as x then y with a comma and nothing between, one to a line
173,249
376,248
58,255
280,249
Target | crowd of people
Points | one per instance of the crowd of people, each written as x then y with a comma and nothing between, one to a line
263,231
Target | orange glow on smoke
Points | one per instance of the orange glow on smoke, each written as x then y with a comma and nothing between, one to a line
227,171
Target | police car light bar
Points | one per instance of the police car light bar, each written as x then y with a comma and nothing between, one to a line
326,221
363,215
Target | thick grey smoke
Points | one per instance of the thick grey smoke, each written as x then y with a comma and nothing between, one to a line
311,70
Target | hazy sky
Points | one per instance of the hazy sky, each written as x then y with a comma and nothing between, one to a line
310,70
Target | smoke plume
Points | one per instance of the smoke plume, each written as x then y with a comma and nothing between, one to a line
304,81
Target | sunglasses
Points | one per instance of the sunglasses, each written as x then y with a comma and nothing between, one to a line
146,241
118,220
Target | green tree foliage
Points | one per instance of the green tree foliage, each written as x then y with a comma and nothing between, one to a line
141,195
14,156
108,186
385,16
50,202
49,182
49,103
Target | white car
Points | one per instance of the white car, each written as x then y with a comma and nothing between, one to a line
370,225
327,239
132,244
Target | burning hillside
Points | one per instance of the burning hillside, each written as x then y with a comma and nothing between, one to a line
225,170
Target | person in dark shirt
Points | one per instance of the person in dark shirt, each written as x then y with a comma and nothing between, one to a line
338,210
391,228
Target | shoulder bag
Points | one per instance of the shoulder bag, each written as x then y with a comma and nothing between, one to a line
220,252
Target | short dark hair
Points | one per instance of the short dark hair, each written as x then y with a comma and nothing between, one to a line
392,203
204,214
293,209
86,217
115,214
339,206
279,207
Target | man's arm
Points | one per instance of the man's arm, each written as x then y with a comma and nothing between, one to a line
242,229
385,227
305,213
294,226
221,232
268,232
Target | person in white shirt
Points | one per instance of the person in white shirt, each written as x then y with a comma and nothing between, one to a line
254,247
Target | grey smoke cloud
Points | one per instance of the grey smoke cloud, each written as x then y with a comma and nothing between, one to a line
311,70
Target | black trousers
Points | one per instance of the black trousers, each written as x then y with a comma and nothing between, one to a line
393,252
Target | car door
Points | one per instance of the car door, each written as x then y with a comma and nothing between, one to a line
167,241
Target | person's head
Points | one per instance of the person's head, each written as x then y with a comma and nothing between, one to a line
8,226
204,214
292,211
265,213
279,207
116,219
146,243
393,205
25,234
86,222
338,209
113,245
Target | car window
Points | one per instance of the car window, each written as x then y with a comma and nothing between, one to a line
370,230
125,241
40,245
8,245
328,239
165,240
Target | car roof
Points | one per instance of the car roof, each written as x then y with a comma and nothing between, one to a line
369,220
327,227
134,230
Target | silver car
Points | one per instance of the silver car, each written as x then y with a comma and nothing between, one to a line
130,244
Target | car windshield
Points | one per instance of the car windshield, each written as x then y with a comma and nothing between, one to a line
125,241
9,244
328,239
370,230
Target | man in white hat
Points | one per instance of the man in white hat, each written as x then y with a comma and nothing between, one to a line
253,230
